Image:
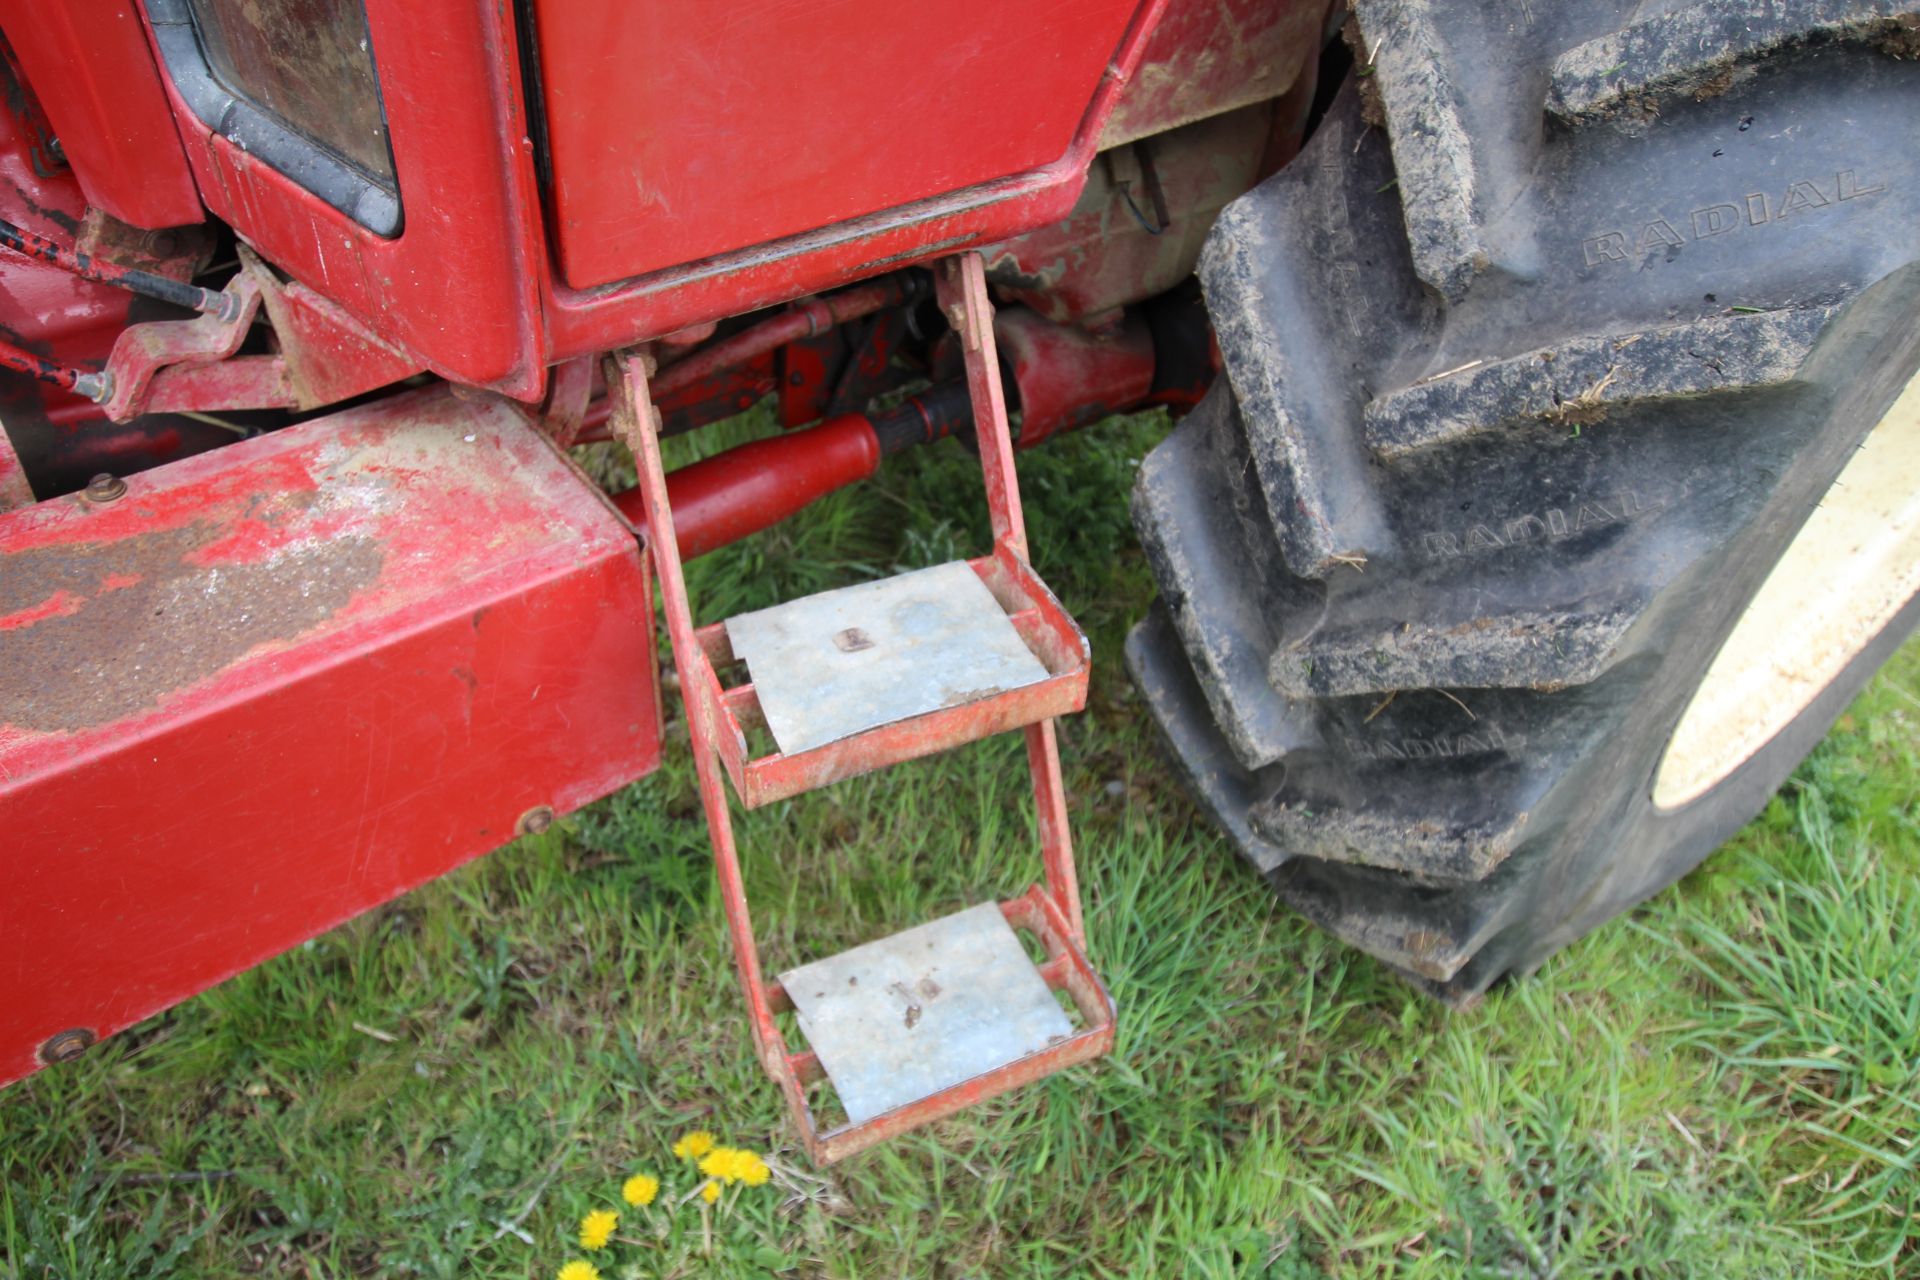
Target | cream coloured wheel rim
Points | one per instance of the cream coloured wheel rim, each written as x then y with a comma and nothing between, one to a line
1850,569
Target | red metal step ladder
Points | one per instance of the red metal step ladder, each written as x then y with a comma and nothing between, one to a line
917,1026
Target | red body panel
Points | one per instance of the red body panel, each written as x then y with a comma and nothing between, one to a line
276,685
459,288
466,288
701,167
90,66
678,130
937,224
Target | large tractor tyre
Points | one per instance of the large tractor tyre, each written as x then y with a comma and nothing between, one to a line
1561,489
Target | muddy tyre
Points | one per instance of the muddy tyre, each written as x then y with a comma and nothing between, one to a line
1543,361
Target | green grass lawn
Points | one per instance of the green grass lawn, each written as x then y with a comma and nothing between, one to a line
1726,1083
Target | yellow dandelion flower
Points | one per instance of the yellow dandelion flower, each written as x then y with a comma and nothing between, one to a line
639,1189
578,1270
597,1228
752,1169
693,1145
709,1191
726,1163
740,1165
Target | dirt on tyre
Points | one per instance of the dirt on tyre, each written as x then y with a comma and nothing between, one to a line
1561,491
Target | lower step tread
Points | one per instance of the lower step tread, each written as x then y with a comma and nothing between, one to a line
899,1019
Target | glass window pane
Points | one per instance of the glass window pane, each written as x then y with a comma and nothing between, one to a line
309,62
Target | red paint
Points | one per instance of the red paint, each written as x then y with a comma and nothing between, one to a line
1000,144
30,244
1067,377
805,319
89,64
329,664
598,320
459,288
39,368
329,355
804,371
473,245
239,382
679,131
148,356
737,493
716,718
960,286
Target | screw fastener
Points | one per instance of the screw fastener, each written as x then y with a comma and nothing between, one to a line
106,488
97,387
65,1046
534,821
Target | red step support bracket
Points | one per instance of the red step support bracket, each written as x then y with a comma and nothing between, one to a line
721,718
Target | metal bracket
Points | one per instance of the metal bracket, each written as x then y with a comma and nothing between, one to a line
143,351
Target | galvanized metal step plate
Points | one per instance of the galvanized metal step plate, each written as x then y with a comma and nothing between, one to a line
900,1019
828,666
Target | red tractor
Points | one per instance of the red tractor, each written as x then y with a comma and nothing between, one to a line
1546,488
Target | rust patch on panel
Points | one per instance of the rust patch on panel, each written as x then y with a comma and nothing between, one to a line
92,632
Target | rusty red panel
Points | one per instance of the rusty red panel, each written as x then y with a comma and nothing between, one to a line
679,130
584,321
88,63
329,355
269,687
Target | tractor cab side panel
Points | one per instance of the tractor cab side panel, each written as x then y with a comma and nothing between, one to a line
678,130
496,188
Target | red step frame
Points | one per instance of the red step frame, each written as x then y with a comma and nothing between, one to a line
717,719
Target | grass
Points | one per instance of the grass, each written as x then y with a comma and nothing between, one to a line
1727,1083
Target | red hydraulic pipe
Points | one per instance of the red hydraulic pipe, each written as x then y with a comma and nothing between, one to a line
803,320
725,498
732,495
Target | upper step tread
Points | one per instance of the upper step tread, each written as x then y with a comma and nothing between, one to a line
829,666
